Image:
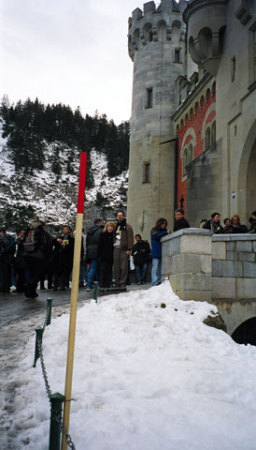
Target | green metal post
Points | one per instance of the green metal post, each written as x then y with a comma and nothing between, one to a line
39,338
56,420
48,311
95,290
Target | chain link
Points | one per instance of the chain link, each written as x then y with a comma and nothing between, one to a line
63,429
56,416
45,377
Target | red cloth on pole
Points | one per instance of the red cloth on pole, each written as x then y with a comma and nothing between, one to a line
82,180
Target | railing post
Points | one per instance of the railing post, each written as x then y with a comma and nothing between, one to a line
48,311
56,420
95,290
39,338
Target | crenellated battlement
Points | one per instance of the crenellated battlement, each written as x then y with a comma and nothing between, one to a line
154,24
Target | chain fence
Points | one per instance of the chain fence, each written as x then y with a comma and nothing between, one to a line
55,416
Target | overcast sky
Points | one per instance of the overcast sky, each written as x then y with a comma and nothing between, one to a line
68,51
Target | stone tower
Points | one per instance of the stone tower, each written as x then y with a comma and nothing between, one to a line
157,48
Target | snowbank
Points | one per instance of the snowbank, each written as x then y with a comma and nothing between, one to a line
145,378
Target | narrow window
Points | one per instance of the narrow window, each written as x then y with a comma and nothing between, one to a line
213,133
207,141
149,98
233,69
146,172
177,55
184,163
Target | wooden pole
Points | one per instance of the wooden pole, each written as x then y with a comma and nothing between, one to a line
74,295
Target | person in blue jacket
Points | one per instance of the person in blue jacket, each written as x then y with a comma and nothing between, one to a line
159,230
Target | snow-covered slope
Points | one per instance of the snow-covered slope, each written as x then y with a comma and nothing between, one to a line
54,198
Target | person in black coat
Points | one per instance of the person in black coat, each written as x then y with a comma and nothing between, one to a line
180,222
19,266
141,255
62,258
92,243
235,226
105,254
7,250
37,246
214,223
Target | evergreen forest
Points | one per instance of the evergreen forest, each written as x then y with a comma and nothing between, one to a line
31,126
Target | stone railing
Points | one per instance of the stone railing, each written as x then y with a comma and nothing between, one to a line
202,266
187,263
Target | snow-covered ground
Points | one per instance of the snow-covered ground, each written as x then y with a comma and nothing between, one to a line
146,377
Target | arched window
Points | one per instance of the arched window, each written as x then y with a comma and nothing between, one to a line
207,140
213,133
184,162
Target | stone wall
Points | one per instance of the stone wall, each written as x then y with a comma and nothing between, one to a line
220,269
234,266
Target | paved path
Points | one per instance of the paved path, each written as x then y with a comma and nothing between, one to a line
15,306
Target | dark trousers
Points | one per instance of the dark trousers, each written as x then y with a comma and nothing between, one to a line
106,273
34,270
141,272
5,273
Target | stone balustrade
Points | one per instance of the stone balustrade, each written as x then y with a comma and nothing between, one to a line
186,262
202,266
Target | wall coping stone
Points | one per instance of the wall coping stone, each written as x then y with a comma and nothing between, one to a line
233,237
187,231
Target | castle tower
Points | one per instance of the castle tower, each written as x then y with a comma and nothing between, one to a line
157,48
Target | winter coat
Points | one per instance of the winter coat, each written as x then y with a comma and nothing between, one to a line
19,261
62,256
42,245
230,229
140,253
253,228
156,245
126,232
213,226
180,224
7,248
106,247
92,242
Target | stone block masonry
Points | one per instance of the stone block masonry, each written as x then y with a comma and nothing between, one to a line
220,269
236,263
187,263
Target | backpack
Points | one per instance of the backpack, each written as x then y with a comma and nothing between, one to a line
33,238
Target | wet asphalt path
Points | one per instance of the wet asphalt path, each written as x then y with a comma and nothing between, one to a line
15,306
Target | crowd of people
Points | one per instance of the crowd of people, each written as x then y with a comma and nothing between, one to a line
107,253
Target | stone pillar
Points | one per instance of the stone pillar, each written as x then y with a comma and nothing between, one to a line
186,262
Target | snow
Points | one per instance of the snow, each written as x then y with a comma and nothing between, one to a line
146,377
53,197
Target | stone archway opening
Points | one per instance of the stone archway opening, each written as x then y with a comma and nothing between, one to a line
246,332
